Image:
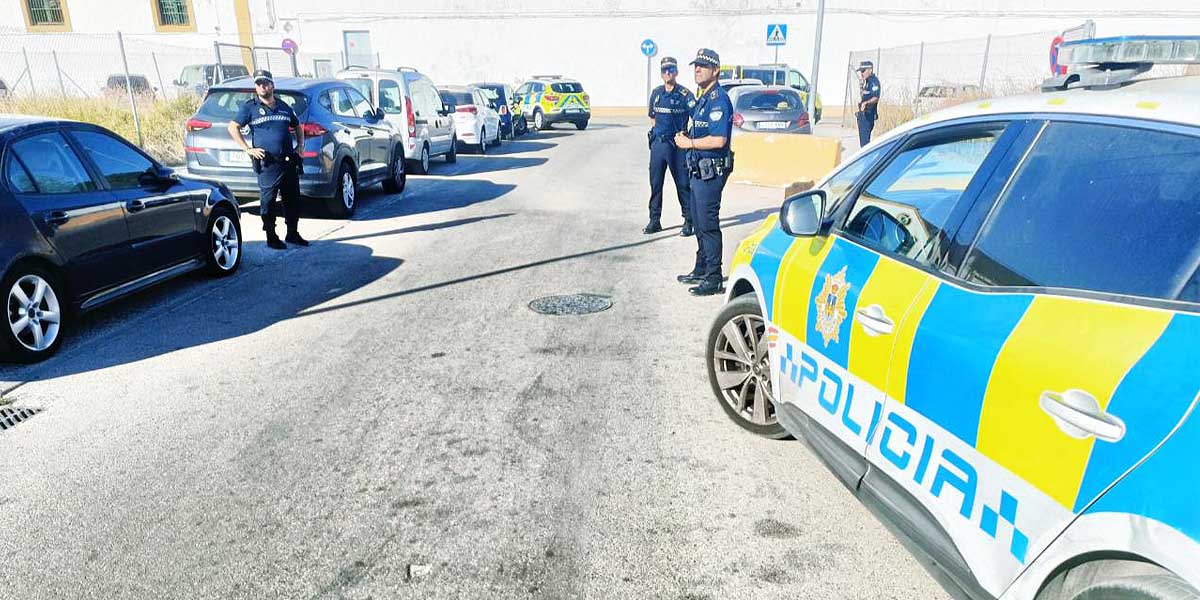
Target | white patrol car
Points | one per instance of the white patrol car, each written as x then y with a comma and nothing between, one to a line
987,324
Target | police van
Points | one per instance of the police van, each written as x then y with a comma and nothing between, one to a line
987,325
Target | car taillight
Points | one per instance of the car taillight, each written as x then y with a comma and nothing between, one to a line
468,108
803,120
586,99
312,129
309,154
194,150
198,124
408,113
738,120
552,98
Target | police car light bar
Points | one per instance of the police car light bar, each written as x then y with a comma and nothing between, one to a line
1159,50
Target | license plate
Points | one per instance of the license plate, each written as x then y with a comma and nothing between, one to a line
773,125
574,110
235,158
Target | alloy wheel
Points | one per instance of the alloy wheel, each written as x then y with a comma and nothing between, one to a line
424,159
348,190
743,370
225,243
34,315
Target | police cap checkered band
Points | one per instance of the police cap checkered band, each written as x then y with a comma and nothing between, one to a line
707,58
668,61
263,75
866,64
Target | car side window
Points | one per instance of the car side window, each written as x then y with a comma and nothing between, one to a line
390,97
53,165
904,210
117,161
796,81
838,187
339,102
1102,208
18,178
362,106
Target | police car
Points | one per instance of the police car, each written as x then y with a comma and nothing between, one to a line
987,324
549,99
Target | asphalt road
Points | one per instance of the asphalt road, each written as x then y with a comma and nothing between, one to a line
381,416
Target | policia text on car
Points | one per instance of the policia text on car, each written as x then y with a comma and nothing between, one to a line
669,107
709,163
272,123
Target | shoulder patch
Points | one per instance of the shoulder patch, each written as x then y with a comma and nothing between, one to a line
262,111
715,115
691,104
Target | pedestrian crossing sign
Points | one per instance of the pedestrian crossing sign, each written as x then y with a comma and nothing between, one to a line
777,34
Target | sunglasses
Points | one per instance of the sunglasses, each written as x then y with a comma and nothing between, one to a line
670,70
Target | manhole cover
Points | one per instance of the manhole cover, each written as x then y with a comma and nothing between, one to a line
11,417
571,304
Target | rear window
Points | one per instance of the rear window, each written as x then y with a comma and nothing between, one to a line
496,91
458,98
567,88
780,100
767,76
223,105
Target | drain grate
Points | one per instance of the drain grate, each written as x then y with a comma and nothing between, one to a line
571,304
11,417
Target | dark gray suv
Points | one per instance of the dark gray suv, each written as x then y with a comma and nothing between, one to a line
348,145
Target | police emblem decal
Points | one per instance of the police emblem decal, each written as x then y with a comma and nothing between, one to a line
715,115
262,111
691,104
831,306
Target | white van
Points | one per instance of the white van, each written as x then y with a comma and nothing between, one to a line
411,101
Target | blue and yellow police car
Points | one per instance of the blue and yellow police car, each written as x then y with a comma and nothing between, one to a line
987,324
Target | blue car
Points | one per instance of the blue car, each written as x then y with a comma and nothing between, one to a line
89,218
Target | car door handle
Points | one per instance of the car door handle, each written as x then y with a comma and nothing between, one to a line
1078,414
57,218
135,205
874,321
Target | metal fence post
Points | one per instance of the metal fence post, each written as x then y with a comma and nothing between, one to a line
220,72
29,71
812,88
137,125
846,102
295,69
62,87
878,58
987,49
162,86
920,71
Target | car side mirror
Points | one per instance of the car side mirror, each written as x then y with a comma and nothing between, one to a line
447,108
156,178
801,215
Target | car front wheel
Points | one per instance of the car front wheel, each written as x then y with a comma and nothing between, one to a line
399,177
36,314
482,147
739,368
225,242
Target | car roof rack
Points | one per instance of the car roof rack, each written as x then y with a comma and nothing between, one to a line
1114,61
408,69
547,77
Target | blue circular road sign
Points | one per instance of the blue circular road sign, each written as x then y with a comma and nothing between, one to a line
649,48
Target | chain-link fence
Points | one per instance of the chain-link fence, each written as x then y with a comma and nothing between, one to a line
926,76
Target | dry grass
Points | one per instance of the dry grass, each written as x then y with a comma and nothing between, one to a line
162,121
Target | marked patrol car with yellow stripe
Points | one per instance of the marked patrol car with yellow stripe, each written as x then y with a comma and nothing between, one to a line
987,324
549,99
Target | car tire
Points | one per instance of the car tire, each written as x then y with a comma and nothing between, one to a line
1117,579
398,178
739,368
581,125
539,121
224,255
481,148
521,126
345,193
452,154
499,139
50,314
421,165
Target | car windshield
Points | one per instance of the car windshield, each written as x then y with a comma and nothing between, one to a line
223,105
567,88
458,98
773,100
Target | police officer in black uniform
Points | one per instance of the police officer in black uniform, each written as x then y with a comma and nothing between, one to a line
272,124
709,162
670,105
868,105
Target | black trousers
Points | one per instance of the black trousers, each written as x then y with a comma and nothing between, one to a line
866,124
706,218
281,180
665,156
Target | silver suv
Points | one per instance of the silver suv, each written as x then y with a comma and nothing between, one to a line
411,102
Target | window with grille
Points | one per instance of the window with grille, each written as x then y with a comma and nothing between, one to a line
46,12
172,12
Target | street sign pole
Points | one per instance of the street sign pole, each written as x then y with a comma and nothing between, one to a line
649,49
812,86
647,75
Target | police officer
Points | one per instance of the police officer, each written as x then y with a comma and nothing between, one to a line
670,105
709,164
272,124
868,106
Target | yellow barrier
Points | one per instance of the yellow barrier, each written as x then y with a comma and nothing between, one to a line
778,159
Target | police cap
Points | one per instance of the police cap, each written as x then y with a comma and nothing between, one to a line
263,75
707,58
866,64
668,62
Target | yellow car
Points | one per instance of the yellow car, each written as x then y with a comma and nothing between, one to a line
549,99
774,75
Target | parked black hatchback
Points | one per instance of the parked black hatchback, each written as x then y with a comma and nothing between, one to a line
89,218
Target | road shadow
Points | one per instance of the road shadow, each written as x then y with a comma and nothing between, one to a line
195,311
595,125
516,147
420,228
550,133
432,195
474,165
